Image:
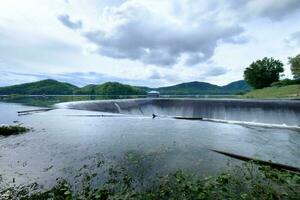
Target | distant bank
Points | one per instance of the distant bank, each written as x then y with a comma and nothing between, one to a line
53,87
289,91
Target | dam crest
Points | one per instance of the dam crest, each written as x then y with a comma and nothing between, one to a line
278,112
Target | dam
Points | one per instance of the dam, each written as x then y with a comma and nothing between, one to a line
273,112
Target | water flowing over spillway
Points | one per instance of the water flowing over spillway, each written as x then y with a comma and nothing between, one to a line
277,112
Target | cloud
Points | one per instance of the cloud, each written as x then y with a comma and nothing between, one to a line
165,33
7,78
273,9
294,38
183,40
215,71
76,78
65,20
139,33
237,40
155,75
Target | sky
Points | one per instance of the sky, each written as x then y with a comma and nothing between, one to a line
143,42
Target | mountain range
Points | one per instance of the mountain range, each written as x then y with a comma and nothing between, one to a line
53,87
195,87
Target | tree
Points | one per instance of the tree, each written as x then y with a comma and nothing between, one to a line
262,73
295,66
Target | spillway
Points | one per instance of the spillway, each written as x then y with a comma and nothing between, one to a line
280,112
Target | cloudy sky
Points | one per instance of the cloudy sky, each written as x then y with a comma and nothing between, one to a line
143,42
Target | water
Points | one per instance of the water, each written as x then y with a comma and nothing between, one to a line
284,113
64,140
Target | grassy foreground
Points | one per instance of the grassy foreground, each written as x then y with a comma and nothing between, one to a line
6,130
244,182
290,91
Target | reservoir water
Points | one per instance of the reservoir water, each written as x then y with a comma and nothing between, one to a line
65,139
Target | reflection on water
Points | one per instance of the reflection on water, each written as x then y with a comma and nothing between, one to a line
49,100
46,101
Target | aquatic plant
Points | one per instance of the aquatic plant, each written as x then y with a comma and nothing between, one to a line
7,130
248,181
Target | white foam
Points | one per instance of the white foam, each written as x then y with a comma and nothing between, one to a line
253,123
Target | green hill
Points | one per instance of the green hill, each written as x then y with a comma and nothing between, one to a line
237,87
290,91
48,86
190,88
194,88
86,90
110,88
53,87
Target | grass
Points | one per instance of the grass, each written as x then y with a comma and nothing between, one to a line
249,181
290,91
6,130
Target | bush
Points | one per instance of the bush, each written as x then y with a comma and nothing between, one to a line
285,82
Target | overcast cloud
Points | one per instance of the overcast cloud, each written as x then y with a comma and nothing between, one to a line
139,33
65,19
143,42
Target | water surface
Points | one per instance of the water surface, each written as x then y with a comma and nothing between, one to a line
63,140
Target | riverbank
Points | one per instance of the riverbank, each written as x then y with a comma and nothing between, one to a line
290,92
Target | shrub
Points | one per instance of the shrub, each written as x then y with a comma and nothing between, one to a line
285,82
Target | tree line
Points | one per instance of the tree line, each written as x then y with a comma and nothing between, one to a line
267,72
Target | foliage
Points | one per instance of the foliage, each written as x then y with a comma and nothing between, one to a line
48,86
285,82
7,130
198,88
295,66
61,191
110,88
248,181
52,87
263,73
237,87
290,91
190,88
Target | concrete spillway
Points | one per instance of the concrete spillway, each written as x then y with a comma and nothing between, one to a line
281,112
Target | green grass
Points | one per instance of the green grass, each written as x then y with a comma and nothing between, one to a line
290,91
6,130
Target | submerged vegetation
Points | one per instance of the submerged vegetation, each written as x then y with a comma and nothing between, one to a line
6,130
248,181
